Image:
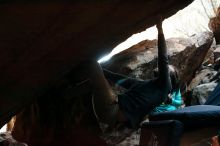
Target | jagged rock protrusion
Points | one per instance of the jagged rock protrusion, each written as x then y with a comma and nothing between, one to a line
185,54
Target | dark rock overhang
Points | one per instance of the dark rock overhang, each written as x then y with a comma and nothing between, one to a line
41,41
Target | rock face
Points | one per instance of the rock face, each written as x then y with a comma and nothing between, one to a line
185,54
203,84
43,40
202,77
201,93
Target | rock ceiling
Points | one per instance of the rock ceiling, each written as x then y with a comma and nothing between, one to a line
41,41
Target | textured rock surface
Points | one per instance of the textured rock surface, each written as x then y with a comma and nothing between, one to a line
201,92
202,77
217,53
42,40
185,54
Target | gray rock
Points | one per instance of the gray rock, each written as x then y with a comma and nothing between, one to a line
216,52
202,92
201,77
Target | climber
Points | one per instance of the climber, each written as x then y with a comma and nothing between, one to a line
138,100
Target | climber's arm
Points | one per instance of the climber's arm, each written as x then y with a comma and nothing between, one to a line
164,75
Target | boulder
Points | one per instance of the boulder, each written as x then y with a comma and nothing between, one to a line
42,40
186,54
201,77
201,92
